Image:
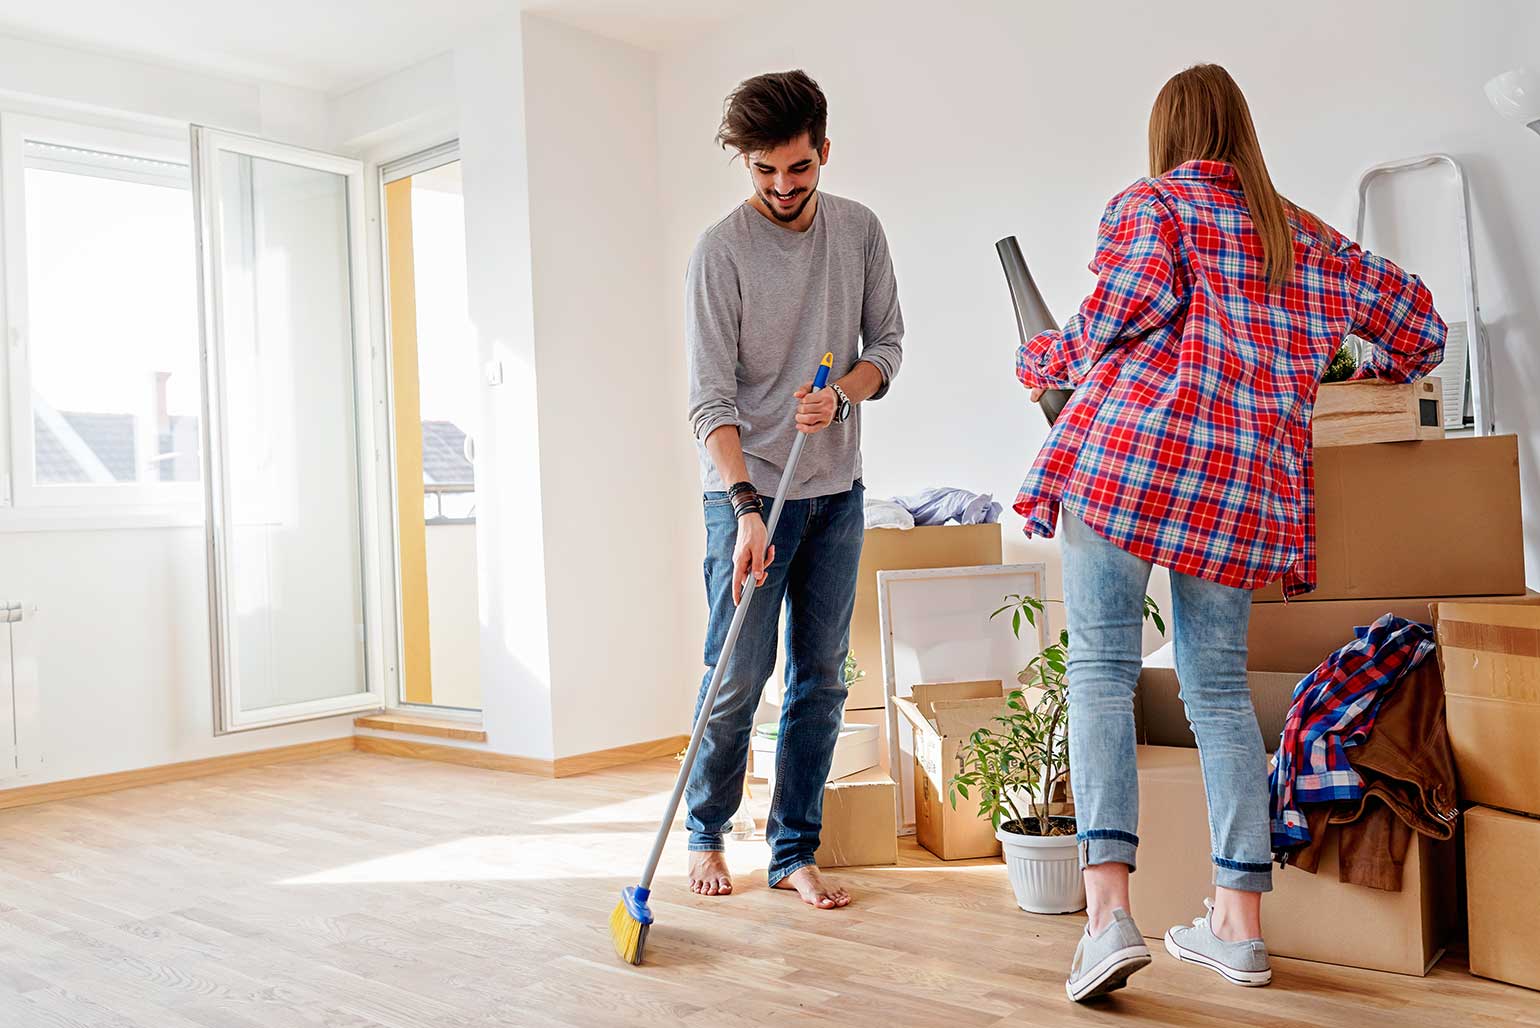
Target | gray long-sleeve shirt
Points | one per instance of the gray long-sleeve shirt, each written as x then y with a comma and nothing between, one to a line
763,304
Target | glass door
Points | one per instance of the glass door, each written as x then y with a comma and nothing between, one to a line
289,446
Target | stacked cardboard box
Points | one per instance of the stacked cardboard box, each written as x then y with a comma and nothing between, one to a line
1400,526
860,821
1490,658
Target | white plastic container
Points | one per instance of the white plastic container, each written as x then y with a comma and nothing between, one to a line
854,751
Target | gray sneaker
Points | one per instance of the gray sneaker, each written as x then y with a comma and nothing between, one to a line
1104,962
1244,962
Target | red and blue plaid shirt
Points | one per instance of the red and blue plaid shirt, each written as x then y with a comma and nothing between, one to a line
1187,441
1334,708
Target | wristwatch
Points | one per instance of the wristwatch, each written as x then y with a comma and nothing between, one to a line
844,407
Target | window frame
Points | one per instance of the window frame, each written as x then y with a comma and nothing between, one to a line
26,504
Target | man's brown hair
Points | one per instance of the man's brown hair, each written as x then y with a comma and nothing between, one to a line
767,111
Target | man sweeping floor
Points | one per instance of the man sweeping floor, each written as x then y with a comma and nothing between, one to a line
789,274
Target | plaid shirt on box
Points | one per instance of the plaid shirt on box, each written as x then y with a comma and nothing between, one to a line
1334,708
1187,442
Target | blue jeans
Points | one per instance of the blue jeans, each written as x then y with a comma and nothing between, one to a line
1104,589
817,559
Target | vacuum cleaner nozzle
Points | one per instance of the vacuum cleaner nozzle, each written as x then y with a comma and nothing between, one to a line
1032,314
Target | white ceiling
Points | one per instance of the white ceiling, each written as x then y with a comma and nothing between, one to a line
331,46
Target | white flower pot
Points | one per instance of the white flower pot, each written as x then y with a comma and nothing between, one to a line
1045,872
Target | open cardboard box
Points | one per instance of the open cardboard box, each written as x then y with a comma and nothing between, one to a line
942,717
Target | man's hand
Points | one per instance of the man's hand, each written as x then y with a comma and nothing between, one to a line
816,411
751,552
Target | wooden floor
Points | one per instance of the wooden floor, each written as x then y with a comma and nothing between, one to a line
360,890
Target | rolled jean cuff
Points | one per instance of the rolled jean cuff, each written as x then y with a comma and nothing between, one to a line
1107,846
1243,876
777,874
700,843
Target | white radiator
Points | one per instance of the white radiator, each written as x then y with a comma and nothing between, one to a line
20,708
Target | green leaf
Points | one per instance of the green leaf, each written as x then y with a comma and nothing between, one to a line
1016,623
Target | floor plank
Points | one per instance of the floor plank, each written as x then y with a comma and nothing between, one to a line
360,890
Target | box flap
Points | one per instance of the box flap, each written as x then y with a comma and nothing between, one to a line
871,776
926,695
957,719
910,712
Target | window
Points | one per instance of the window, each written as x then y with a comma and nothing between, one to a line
101,284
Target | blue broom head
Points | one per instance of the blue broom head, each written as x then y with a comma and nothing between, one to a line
635,899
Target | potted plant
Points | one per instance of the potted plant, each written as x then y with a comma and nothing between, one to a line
1018,771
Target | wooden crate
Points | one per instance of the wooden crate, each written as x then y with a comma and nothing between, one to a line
1348,413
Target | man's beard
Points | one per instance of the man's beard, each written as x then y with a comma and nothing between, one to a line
775,210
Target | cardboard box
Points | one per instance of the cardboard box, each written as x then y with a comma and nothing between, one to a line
855,750
1306,916
1489,654
860,825
892,549
1160,718
1297,636
1371,411
1396,519
943,716
1502,881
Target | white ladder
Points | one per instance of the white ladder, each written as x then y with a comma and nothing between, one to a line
1467,367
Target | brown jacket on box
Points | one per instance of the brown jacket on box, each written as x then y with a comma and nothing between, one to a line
1409,785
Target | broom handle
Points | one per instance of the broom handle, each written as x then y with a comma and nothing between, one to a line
727,648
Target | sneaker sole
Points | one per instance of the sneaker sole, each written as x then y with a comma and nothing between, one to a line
1112,973
1249,979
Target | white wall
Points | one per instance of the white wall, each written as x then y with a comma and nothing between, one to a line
516,655
612,432
999,117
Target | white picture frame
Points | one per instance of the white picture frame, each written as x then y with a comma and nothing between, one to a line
936,627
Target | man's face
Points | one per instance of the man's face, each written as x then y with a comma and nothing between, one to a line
785,178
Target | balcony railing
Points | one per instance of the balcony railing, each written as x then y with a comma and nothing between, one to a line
461,503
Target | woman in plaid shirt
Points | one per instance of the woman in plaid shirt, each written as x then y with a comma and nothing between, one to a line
1195,363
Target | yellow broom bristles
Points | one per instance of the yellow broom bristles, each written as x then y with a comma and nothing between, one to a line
629,934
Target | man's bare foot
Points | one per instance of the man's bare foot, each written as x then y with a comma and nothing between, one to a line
708,873
815,891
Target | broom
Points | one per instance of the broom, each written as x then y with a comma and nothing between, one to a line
632,918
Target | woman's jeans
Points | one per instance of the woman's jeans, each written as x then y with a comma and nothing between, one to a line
1104,589
817,560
